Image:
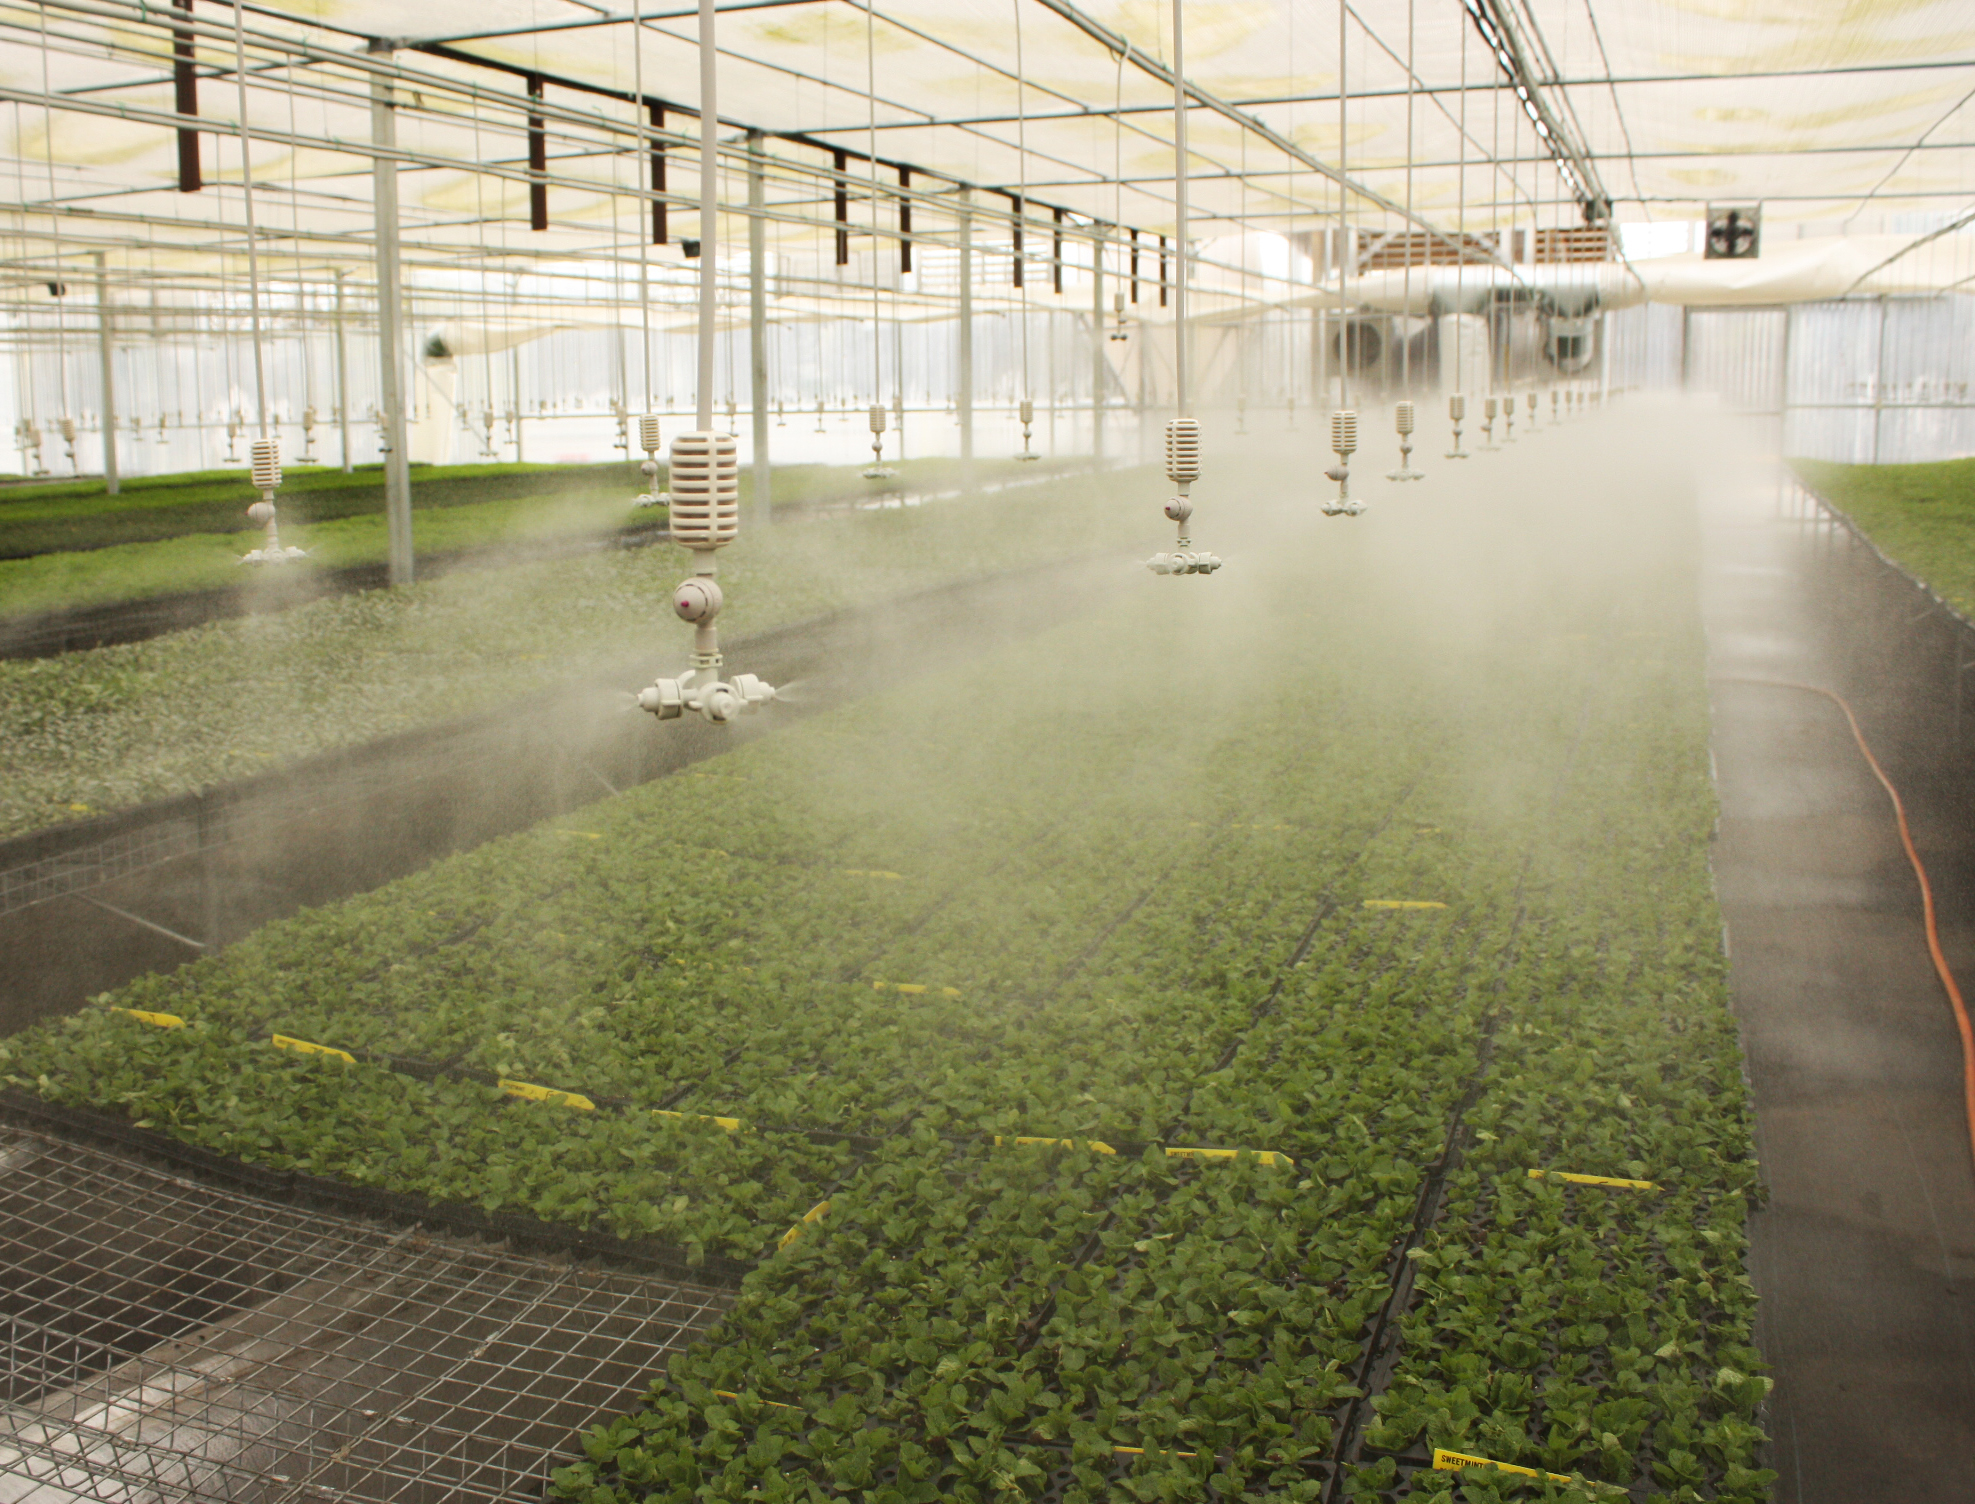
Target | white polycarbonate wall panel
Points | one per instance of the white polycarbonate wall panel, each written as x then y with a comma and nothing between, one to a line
1735,356
1644,345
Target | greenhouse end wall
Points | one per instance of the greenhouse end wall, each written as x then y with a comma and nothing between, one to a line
1857,380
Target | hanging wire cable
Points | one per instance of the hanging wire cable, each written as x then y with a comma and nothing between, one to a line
247,206
1181,374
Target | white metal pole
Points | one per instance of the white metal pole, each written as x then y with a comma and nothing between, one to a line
1098,365
965,395
111,481
342,379
757,323
390,318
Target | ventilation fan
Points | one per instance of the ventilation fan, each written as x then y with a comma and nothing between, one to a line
1734,234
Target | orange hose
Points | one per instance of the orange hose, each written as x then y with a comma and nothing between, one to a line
1926,896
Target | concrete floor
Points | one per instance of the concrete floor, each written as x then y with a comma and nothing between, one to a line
1865,1254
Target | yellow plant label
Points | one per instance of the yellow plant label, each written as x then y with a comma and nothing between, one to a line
1445,1461
1403,903
893,877
914,988
1141,1452
728,1394
814,1214
534,1093
588,835
732,1125
309,1047
1093,1145
1265,1156
155,1020
1625,1185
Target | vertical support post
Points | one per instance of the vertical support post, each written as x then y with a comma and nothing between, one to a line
1879,383
1099,367
1134,266
757,324
514,380
1056,255
838,162
112,483
1021,213
904,221
538,162
185,81
965,395
342,378
390,327
658,205
1162,271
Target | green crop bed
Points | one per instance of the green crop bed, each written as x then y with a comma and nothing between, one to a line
94,731
72,545
1921,516
54,516
1386,869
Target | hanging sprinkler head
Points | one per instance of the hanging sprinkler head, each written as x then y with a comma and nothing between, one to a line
1402,418
308,435
1530,398
878,469
1556,401
819,418
66,426
1509,418
650,442
706,517
1457,409
1488,409
1343,439
266,473
1118,307
1182,469
1028,415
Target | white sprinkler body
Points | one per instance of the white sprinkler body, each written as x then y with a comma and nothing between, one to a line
650,441
1403,419
1183,469
1457,409
267,480
1530,398
1118,307
706,517
1344,440
878,469
1028,415
1488,409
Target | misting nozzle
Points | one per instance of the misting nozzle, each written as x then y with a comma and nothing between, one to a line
648,435
1457,407
877,417
1403,416
1028,412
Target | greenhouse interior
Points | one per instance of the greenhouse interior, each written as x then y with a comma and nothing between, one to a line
1059,750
